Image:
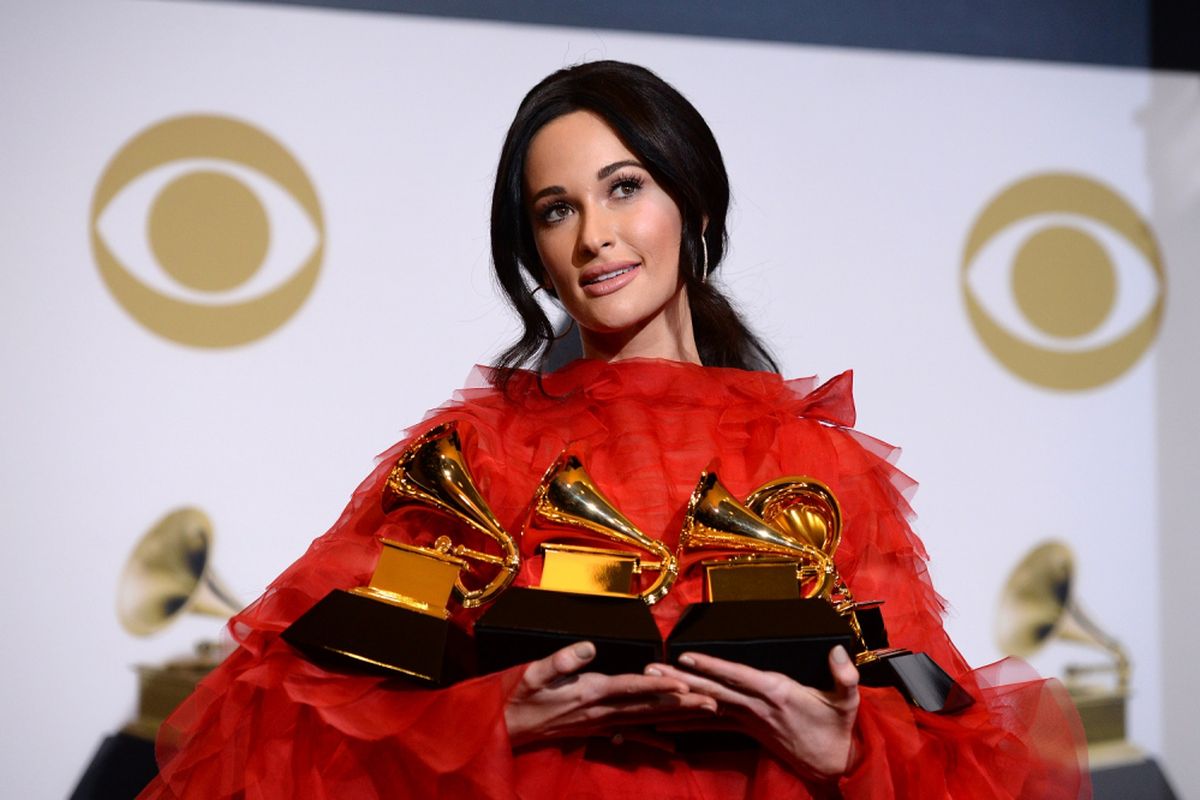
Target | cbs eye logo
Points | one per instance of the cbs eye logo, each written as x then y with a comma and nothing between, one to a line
1063,281
197,225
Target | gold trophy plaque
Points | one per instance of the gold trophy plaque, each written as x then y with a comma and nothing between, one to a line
400,623
587,592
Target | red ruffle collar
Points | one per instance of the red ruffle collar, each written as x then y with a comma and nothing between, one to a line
679,384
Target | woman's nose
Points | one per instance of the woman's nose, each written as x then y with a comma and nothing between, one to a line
596,231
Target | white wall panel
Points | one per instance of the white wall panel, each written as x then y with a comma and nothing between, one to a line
857,176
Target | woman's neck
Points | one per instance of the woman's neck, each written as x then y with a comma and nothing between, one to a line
667,335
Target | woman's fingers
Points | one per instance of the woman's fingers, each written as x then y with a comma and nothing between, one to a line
704,686
737,683
556,670
845,678
560,697
737,676
647,705
551,669
808,728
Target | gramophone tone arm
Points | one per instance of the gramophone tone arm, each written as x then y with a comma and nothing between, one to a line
462,551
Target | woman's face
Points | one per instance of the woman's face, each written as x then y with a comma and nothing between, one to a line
607,234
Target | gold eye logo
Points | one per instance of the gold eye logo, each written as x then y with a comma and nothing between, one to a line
1069,317
199,264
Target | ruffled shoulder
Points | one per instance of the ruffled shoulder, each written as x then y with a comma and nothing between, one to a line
589,381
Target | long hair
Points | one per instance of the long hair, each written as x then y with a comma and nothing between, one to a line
676,147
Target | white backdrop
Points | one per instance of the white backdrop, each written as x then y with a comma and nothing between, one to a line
857,176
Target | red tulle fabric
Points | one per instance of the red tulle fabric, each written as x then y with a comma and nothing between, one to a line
268,724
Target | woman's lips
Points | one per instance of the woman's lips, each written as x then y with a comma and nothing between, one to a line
609,279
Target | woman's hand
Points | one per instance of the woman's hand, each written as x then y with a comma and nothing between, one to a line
808,729
555,700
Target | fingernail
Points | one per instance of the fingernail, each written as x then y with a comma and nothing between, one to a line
710,708
840,656
687,660
654,672
585,650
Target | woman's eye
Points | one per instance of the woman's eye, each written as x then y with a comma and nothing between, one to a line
626,187
555,212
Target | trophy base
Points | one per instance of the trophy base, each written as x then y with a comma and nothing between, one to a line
355,632
918,677
526,624
1102,712
793,637
870,622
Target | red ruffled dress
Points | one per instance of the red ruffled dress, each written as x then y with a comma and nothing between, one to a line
269,724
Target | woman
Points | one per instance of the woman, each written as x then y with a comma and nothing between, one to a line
611,196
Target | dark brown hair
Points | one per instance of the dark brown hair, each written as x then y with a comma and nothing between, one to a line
675,145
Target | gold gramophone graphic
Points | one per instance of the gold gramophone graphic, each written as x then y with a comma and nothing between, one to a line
1037,606
777,552
169,574
399,623
586,591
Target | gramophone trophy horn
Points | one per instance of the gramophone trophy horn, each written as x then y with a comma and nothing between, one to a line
800,506
400,623
586,591
1037,606
169,574
432,471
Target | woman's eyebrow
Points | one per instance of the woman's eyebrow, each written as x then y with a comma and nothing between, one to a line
613,167
549,190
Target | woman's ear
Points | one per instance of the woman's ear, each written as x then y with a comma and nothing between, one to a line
545,285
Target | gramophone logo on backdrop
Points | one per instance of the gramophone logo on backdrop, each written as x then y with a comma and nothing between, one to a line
1081,299
197,227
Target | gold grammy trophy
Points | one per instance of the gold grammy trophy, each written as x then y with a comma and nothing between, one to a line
807,509
587,591
1038,606
778,553
400,622
169,574
765,592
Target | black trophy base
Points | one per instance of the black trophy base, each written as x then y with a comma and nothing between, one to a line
524,625
870,622
122,767
918,677
1139,780
351,632
793,637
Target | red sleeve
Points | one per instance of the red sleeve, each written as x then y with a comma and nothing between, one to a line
1021,738
269,724
272,725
